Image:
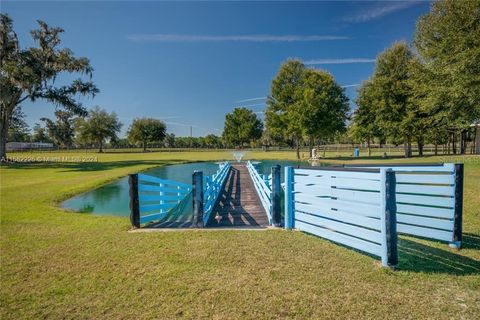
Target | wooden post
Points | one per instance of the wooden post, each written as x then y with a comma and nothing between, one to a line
197,191
391,218
457,216
134,203
276,187
289,199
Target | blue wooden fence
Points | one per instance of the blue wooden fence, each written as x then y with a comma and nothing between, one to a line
429,199
212,188
153,198
354,207
263,186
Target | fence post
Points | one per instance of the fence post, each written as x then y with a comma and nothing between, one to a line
389,218
276,186
289,200
134,203
457,217
197,191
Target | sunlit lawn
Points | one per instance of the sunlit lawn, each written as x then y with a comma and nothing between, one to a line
57,264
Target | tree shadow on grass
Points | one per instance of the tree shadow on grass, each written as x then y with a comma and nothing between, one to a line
417,257
88,166
471,241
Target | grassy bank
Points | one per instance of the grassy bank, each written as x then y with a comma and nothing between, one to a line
56,264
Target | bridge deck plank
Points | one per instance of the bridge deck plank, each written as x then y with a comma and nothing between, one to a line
238,204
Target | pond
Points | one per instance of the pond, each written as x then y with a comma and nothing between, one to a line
113,198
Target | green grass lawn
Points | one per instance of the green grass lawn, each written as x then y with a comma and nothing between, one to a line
58,264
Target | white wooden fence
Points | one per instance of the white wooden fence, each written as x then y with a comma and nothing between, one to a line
354,207
263,189
212,189
429,199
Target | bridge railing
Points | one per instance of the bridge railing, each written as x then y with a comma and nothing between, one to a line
351,206
212,189
152,198
429,199
263,188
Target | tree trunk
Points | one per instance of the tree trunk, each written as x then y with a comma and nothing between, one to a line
420,143
462,142
3,138
475,147
310,146
297,147
454,145
436,148
407,145
369,148
144,146
100,144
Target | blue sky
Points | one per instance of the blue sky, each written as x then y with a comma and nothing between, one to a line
190,63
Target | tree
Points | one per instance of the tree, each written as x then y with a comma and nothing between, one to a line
324,106
29,74
283,112
61,132
448,41
305,103
365,127
146,130
396,110
40,134
18,129
97,127
169,140
242,126
212,141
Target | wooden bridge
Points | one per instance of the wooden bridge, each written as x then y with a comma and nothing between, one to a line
238,204
237,195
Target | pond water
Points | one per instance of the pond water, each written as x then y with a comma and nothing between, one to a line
113,198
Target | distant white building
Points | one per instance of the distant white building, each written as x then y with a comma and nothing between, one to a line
21,146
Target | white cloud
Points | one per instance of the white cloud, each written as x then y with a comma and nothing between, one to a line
160,37
338,61
251,99
251,105
351,85
381,10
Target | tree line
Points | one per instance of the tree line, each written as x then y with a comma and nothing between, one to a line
424,92
100,129
427,91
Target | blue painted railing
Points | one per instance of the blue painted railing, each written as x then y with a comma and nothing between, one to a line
263,186
429,199
212,189
354,207
157,197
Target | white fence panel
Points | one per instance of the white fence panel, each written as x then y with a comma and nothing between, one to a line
429,199
347,206
264,191
213,188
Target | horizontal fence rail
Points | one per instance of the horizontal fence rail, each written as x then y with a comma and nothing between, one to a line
263,186
353,207
152,198
212,188
429,199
